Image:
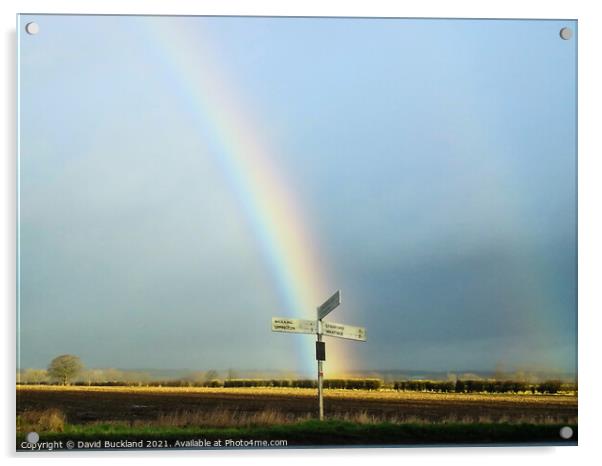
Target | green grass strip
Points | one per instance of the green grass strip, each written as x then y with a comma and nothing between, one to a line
327,433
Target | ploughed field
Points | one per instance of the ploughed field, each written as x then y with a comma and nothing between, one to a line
82,405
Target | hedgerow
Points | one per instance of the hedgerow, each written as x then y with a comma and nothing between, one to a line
483,386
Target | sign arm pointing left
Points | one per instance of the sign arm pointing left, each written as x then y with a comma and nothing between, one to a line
283,324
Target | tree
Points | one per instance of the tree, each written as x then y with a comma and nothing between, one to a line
93,376
34,376
113,375
65,368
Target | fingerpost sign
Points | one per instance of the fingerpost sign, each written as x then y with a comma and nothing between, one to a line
320,328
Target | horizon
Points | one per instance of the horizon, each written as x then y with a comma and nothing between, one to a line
509,372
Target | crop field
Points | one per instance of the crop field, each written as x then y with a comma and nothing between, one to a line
82,405
177,417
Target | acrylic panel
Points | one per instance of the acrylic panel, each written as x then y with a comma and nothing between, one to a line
283,232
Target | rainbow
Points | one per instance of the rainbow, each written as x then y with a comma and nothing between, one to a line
248,162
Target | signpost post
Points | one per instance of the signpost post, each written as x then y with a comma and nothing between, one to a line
320,328
320,358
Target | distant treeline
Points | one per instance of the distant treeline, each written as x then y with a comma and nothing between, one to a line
351,384
484,386
458,386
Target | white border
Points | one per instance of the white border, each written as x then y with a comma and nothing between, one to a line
590,231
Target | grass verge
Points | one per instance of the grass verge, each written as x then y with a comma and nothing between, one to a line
327,433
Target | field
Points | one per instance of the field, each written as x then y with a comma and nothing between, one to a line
87,404
355,416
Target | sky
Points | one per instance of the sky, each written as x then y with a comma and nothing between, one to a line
183,180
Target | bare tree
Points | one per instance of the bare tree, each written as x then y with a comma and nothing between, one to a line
65,368
34,376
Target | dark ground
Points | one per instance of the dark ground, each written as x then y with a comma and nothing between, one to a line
83,406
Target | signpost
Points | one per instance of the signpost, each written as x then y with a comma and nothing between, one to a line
320,328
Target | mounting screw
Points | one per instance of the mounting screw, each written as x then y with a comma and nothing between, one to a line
32,28
566,33
566,432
